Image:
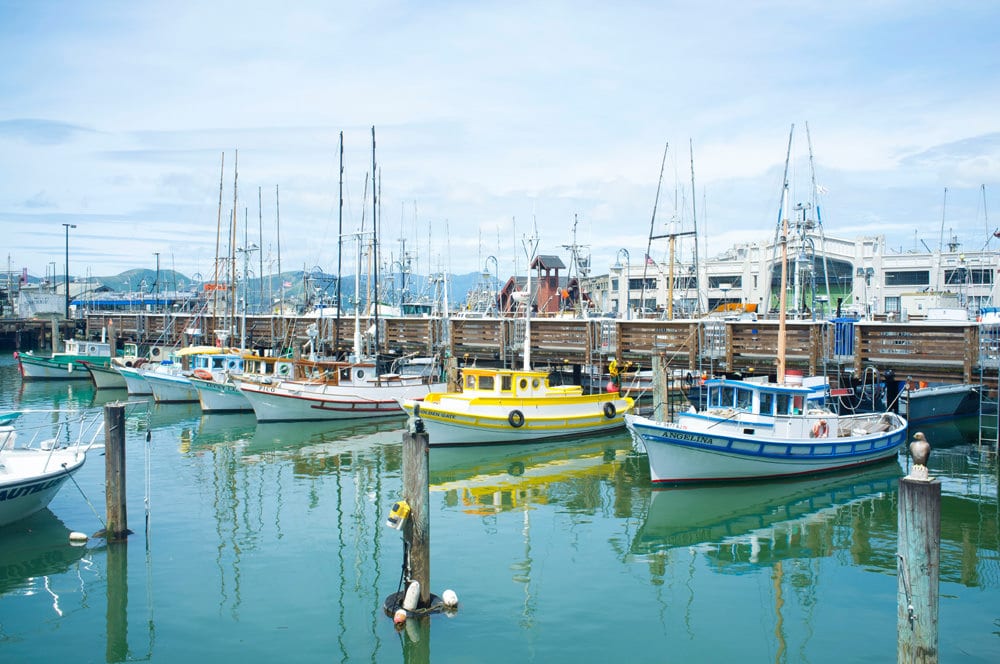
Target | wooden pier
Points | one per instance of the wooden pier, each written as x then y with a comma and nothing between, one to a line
931,351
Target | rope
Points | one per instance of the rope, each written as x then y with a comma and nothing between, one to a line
86,500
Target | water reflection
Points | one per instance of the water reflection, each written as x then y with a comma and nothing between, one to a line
754,524
495,478
33,549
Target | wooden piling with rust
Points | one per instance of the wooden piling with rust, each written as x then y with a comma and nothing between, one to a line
114,471
416,491
918,560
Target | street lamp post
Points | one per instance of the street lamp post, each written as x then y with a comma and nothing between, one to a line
625,278
67,226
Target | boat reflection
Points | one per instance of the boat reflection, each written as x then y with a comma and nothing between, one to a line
496,478
57,394
33,548
751,525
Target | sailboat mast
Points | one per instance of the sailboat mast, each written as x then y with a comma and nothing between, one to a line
530,245
652,221
694,221
782,297
232,253
218,241
375,239
340,238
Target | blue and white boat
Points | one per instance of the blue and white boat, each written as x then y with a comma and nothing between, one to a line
754,430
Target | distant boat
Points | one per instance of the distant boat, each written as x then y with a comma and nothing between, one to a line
65,365
927,403
31,476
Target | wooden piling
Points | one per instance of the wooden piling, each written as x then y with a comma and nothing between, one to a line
451,374
661,391
114,471
918,568
416,491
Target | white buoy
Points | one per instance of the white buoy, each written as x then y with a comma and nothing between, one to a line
412,596
77,539
449,598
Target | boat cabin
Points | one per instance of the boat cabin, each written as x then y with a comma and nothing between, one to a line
766,399
508,383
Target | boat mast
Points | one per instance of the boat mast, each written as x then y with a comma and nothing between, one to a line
530,245
218,240
231,309
694,223
340,241
780,359
375,220
649,240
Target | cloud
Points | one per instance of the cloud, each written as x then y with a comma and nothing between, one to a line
40,132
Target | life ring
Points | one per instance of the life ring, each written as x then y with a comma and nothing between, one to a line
820,430
204,374
155,352
283,369
610,411
516,418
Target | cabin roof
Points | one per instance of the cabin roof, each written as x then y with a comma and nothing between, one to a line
548,262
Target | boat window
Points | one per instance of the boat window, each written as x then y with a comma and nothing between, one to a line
766,403
523,383
744,399
784,404
470,382
505,383
797,405
535,383
727,399
486,382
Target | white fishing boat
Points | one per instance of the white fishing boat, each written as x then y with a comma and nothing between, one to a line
105,377
516,405
220,392
30,476
170,381
751,429
65,365
135,381
331,390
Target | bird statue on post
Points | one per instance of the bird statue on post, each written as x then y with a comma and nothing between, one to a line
920,451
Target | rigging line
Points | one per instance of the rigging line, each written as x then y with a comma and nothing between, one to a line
652,221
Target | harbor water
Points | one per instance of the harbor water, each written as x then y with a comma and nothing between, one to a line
264,543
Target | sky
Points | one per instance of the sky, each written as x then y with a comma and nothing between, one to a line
492,120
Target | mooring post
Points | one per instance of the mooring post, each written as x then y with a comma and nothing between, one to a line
918,560
451,374
114,471
416,491
661,391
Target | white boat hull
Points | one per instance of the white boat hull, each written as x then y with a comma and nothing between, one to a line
221,397
168,388
107,378
680,454
291,401
135,382
30,478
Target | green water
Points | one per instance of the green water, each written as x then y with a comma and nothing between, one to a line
268,543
